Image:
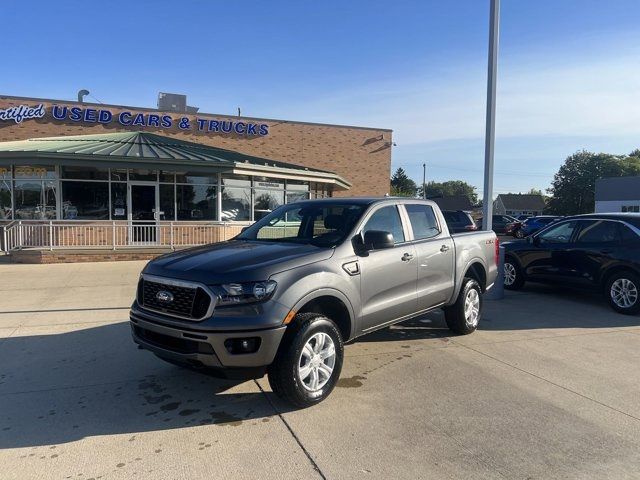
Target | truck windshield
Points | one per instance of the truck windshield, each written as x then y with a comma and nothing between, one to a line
323,225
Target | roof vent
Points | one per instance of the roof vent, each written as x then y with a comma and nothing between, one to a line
174,102
81,94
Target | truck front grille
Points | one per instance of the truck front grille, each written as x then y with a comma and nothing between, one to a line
189,302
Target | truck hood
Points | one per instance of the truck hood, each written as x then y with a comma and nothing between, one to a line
235,261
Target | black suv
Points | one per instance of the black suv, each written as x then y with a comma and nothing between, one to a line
597,251
499,223
459,221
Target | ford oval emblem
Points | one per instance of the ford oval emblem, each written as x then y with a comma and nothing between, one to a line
164,297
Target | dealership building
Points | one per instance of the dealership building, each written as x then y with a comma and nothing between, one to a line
65,164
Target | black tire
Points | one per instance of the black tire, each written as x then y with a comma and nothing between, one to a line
621,280
455,315
283,374
519,234
510,264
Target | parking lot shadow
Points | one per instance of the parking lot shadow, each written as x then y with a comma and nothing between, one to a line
539,306
535,307
425,327
63,387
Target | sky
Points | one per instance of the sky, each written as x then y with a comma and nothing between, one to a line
568,71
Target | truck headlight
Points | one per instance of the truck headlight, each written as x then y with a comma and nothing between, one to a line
242,293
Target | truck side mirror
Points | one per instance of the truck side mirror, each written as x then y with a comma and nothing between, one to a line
378,239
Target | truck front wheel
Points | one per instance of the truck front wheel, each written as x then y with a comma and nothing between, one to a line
463,316
309,361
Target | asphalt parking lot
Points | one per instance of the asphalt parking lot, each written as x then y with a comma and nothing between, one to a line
548,387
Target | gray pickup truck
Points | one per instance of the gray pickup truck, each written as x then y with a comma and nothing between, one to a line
284,295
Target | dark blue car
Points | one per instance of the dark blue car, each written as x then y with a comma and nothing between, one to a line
533,224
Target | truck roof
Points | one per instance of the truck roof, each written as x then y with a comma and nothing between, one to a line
362,200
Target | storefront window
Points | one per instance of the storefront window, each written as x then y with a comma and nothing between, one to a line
118,201
167,177
28,172
266,182
35,200
298,186
236,180
236,204
143,175
297,196
85,200
119,174
196,178
84,173
266,201
196,202
297,190
6,211
184,196
167,203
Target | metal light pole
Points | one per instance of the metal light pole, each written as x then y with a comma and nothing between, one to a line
424,181
489,142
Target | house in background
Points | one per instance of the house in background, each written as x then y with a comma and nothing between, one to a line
515,204
619,194
454,202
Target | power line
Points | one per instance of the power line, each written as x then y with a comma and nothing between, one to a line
97,100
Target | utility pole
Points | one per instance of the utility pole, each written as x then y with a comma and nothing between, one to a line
424,181
490,134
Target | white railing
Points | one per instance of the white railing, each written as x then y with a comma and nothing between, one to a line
61,234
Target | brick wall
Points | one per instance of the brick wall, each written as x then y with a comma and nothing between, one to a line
360,155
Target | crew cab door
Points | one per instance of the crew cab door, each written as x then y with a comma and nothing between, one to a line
388,276
435,255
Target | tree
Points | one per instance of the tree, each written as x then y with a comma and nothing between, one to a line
402,185
535,191
449,188
573,187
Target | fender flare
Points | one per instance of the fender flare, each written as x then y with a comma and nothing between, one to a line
464,270
331,292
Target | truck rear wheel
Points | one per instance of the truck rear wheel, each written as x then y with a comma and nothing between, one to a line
309,361
463,316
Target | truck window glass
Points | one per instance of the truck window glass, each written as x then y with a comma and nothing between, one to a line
423,221
386,219
320,225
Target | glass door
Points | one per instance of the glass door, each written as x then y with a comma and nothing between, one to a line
143,208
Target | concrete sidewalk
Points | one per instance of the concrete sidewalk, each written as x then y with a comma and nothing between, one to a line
549,387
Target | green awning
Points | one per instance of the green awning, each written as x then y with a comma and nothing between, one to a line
149,149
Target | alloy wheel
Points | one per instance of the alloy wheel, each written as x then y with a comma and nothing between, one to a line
472,307
509,274
317,361
624,293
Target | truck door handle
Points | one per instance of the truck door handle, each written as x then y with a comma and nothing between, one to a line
444,248
406,257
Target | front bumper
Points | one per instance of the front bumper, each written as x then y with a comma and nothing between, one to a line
200,348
